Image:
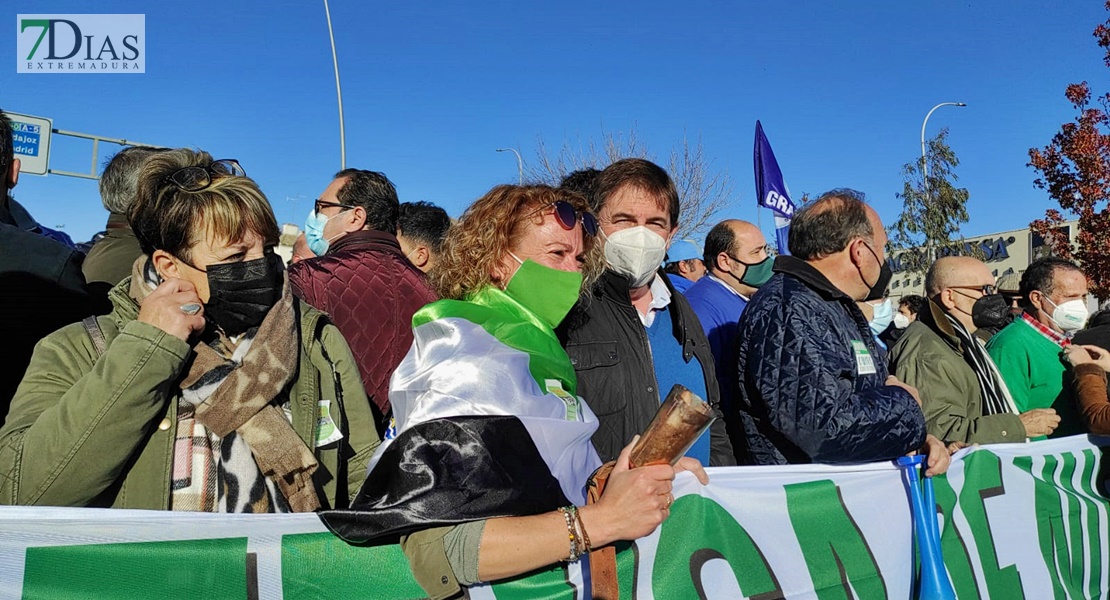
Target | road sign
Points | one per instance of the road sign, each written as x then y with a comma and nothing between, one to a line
31,142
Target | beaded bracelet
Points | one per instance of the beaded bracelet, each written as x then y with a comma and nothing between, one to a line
568,516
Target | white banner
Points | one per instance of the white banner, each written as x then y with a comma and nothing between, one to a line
1017,520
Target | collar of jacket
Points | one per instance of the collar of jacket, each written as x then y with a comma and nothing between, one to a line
807,274
366,238
117,221
614,287
936,319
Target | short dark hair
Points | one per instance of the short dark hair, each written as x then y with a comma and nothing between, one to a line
915,303
642,174
583,181
373,192
1041,276
166,217
720,239
827,225
673,267
7,153
425,222
120,178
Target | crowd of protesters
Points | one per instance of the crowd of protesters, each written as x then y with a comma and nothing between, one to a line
384,376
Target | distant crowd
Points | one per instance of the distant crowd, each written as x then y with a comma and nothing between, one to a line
473,389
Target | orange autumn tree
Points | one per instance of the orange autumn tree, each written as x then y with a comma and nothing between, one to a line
1075,169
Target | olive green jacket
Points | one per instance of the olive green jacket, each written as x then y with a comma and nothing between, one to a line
929,356
84,431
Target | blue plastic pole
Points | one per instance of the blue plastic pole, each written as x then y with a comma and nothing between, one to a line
933,578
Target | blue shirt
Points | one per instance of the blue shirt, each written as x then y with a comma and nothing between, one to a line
679,282
672,368
719,308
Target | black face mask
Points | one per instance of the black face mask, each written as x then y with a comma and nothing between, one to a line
241,293
878,291
990,311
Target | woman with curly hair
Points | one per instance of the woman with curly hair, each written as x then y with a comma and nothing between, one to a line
484,471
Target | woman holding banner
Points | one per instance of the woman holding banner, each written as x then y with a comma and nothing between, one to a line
485,470
208,387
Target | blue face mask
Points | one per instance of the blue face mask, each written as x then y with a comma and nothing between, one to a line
314,232
884,315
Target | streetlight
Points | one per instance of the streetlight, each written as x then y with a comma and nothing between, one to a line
338,92
925,161
519,163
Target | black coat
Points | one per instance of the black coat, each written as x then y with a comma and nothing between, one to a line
41,290
608,346
804,396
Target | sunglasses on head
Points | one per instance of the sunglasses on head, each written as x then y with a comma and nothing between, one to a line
195,179
567,216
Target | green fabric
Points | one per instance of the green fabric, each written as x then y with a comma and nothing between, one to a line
1031,366
950,394
215,568
513,325
88,432
111,258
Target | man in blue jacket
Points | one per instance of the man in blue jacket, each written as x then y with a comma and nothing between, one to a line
738,263
814,387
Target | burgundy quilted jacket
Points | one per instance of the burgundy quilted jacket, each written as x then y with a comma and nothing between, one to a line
370,290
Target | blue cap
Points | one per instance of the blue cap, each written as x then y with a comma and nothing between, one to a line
683,250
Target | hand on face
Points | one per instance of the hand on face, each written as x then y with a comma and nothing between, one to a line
168,308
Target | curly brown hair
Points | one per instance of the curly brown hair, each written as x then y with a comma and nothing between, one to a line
488,229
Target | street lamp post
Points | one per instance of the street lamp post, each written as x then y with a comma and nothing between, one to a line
338,92
924,160
519,163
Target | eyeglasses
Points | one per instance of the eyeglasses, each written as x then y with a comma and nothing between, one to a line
322,204
567,216
195,179
987,290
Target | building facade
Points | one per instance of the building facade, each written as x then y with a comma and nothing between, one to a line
1005,252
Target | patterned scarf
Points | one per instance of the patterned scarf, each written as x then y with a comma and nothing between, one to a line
996,396
235,450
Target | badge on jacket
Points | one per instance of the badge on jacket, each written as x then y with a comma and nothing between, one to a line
865,363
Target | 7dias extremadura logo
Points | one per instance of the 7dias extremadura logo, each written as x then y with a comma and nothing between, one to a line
81,43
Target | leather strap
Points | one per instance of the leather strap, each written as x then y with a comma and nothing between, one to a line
95,334
603,561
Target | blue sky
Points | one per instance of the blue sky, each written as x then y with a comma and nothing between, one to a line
431,89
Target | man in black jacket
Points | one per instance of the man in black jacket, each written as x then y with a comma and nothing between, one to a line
636,337
814,387
43,288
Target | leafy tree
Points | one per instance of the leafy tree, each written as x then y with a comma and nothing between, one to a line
703,189
933,209
1075,169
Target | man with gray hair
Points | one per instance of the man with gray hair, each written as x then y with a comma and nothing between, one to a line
111,257
962,393
814,387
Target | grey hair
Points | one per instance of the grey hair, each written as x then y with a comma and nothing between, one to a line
120,178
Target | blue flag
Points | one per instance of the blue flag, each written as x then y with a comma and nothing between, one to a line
771,190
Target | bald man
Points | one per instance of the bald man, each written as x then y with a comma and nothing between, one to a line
814,387
962,393
737,263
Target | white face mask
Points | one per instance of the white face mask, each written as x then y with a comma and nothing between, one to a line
901,321
1069,316
636,252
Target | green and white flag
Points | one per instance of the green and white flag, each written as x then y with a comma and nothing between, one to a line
487,424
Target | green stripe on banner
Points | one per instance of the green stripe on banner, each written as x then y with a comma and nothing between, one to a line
1095,523
957,559
721,537
982,481
320,565
837,555
214,568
